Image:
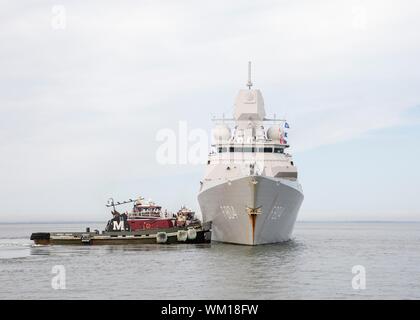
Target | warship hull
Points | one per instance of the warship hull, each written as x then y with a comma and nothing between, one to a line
252,210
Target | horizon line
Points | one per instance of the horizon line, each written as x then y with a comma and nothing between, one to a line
298,221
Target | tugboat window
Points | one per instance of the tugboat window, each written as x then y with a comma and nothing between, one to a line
278,150
221,149
268,150
249,149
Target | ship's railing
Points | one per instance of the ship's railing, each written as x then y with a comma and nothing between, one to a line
215,119
145,214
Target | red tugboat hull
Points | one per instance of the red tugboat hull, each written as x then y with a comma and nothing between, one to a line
146,224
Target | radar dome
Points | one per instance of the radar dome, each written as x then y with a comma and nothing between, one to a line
221,132
274,133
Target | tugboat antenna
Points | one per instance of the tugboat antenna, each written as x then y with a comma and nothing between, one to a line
111,203
249,83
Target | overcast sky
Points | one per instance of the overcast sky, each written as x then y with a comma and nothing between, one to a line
85,86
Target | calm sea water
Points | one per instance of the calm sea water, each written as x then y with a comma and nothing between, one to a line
316,264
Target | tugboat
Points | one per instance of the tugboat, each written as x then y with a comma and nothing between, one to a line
186,217
145,224
145,215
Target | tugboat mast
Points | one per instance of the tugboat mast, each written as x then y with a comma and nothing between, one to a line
112,204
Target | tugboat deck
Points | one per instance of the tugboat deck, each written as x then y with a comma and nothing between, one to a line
202,235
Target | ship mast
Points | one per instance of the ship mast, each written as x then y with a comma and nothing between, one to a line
249,83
